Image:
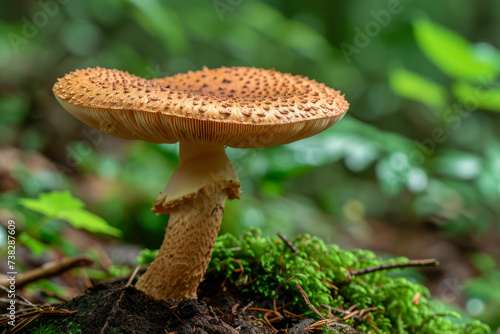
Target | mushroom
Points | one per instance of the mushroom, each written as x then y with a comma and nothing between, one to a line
204,111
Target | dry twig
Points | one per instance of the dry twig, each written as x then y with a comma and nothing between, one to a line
319,324
49,269
28,317
288,243
349,313
131,278
411,263
285,282
311,306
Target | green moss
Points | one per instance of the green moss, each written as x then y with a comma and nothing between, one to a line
317,264
51,328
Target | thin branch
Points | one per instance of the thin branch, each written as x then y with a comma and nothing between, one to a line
18,296
411,263
131,278
285,282
311,306
244,309
288,243
20,302
350,315
49,269
23,300
350,311
334,309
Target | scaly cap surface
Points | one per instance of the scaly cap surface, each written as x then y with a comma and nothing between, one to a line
240,107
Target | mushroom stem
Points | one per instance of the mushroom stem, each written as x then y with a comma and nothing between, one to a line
195,198
186,250
189,151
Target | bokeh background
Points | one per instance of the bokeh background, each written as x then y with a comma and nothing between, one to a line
413,169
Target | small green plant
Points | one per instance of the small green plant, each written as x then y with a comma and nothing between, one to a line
63,206
271,270
146,256
117,271
55,207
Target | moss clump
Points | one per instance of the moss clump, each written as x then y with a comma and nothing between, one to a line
268,263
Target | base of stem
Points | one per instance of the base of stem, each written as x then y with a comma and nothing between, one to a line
187,248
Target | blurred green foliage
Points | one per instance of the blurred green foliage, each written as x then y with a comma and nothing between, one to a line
420,142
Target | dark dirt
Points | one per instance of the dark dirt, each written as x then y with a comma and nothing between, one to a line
117,309
222,308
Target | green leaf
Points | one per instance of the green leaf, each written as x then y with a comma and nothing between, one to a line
452,53
88,221
415,87
52,204
488,99
62,205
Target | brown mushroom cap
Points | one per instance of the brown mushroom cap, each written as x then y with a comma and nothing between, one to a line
240,107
